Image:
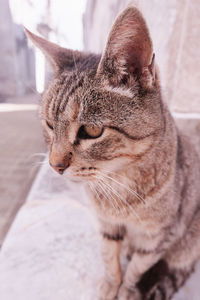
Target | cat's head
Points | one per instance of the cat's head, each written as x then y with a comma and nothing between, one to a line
102,113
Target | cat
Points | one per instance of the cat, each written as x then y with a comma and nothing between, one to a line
106,124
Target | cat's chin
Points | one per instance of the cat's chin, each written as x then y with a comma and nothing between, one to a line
79,178
75,180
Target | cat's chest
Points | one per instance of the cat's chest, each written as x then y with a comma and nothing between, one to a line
139,238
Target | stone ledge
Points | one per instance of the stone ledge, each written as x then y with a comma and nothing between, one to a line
52,250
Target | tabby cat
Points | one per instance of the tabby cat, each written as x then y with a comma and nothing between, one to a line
106,124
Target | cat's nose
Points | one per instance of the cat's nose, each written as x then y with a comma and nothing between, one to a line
59,162
59,167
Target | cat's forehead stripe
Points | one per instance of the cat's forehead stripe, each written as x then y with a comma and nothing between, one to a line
72,110
58,92
51,106
62,96
69,86
74,83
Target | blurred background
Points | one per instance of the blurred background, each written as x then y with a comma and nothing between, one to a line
83,25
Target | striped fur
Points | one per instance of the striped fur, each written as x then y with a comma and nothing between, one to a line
141,173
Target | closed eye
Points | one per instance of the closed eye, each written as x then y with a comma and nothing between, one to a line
49,125
87,132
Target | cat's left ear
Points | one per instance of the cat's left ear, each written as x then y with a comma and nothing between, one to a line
128,52
59,57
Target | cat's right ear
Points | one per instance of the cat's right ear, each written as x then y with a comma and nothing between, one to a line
59,57
128,52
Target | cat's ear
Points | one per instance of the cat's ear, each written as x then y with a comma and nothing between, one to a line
59,57
128,51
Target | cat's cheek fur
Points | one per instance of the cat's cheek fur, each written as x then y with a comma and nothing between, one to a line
113,148
48,138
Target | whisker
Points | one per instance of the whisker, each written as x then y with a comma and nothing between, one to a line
40,163
111,190
116,174
105,194
96,193
128,205
39,154
123,185
117,207
128,188
123,200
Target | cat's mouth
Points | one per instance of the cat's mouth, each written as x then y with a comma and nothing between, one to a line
85,175
82,174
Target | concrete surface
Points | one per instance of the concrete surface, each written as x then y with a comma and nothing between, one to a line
8,70
21,138
52,250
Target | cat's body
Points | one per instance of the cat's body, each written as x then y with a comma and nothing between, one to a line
105,123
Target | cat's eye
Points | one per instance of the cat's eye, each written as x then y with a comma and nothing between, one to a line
89,132
49,125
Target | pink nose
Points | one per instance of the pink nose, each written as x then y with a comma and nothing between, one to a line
59,167
59,161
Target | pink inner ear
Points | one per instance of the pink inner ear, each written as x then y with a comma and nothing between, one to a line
129,42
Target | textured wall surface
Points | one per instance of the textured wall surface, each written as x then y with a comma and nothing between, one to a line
8,80
17,65
175,29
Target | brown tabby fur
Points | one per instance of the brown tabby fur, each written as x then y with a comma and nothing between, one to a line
142,175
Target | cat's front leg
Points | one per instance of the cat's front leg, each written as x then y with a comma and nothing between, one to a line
110,248
139,264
